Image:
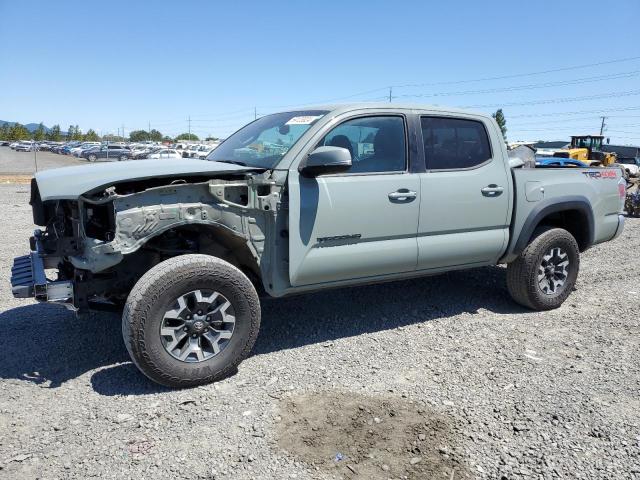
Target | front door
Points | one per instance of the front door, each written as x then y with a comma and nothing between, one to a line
360,223
465,194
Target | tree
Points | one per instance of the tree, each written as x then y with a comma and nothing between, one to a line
19,132
155,135
40,132
144,135
54,134
138,135
187,136
91,136
502,122
70,132
77,133
4,131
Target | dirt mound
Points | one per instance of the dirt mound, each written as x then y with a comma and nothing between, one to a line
359,436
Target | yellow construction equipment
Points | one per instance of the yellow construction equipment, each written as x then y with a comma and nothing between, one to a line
587,149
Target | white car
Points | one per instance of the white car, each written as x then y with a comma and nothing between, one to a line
165,153
205,150
77,151
25,147
190,151
631,165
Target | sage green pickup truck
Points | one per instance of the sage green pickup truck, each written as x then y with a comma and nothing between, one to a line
297,202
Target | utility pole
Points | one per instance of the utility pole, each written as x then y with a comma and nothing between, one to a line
149,130
602,124
390,94
35,155
255,113
189,120
123,132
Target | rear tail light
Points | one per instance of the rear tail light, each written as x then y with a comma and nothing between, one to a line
622,192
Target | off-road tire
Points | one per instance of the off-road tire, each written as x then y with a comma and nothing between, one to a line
149,298
522,281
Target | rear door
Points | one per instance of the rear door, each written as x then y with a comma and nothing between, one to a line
465,193
361,223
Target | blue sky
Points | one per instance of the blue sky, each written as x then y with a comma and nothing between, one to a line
107,64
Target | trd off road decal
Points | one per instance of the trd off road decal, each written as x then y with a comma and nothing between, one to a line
600,174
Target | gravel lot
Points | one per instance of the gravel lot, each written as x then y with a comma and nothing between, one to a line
442,377
24,163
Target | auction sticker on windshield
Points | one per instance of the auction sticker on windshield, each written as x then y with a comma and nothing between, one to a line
303,120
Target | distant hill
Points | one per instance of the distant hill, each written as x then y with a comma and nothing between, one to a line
32,127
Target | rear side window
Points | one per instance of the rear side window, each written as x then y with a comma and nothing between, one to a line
454,143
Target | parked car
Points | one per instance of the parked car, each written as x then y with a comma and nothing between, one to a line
352,195
5,143
142,154
204,151
66,150
107,152
165,153
76,151
26,147
559,162
190,151
630,164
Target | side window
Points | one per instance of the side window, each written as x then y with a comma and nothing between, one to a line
377,144
452,143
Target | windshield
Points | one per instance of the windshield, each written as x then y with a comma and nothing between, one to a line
264,142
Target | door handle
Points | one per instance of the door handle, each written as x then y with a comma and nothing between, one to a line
492,190
402,195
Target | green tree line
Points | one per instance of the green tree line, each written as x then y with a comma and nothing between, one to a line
17,131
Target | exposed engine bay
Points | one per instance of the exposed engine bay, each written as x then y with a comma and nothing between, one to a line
104,241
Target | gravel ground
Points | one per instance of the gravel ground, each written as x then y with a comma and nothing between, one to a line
442,377
24,163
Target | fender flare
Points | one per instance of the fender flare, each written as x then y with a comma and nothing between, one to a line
556,205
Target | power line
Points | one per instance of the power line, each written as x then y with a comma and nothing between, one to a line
561,83
246,112
560,100
578,112
518,75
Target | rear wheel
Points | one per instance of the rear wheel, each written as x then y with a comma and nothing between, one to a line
191,320
123,158
92,158
544,274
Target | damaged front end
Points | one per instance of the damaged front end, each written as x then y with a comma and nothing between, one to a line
94,248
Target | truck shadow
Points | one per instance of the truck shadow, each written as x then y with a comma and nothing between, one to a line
325,316
45,344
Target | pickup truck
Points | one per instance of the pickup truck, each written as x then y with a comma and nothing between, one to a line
296,202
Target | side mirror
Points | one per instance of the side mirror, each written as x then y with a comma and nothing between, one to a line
326,160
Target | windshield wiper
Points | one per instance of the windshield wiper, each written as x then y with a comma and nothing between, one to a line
235,162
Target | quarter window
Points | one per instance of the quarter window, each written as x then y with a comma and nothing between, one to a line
453,143
376,144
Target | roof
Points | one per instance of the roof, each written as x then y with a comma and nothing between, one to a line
623,150
553,144
346,107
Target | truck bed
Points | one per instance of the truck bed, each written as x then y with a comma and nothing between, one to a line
538,190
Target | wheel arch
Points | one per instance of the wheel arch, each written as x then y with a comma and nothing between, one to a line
573,213
214,239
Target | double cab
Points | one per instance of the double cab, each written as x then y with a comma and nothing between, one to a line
301,201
